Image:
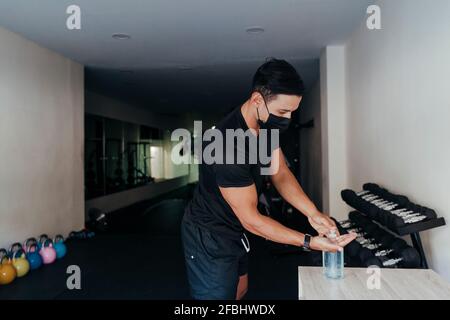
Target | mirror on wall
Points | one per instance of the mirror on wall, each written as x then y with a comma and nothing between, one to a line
121,155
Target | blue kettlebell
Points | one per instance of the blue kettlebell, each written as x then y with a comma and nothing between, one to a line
33,256
60,247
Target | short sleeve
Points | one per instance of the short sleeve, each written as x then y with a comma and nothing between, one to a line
233,175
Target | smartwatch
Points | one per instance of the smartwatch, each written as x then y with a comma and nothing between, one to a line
307,242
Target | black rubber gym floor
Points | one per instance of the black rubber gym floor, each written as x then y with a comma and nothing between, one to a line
140,257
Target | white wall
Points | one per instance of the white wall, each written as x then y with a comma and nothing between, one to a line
398,124
41,141
310,146
104,106
334,143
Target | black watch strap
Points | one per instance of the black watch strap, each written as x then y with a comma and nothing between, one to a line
307,242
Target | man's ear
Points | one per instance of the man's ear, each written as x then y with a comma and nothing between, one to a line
256,98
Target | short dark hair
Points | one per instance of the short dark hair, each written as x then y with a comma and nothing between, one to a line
277,77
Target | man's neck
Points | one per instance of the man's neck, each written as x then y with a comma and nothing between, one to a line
249,116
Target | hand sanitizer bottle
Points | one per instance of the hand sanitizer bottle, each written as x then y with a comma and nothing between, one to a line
333,262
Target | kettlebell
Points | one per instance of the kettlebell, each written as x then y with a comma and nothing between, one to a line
7,271
28,243
60,247
47,252
33,256
42,239
20,263
14,248
3,253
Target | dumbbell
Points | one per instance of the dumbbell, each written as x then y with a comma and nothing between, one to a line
400,217
358,224
402,201
409,212
386,241
352,199
358,218
382,238
362,221
379,210
378,201
384,217
429,213
83,234
382,198
376,189
353,247
408,256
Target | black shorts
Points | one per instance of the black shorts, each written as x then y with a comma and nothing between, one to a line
214,262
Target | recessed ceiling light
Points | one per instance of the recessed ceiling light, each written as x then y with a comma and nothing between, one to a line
121,36
254,30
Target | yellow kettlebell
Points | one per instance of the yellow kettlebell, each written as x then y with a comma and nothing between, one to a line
7,271
21,263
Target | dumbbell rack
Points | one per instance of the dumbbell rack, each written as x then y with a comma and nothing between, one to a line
413,230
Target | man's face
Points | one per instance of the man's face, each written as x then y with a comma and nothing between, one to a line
281,105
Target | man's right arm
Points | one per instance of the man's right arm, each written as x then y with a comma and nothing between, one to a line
243,201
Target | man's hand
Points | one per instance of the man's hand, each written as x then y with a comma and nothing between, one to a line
325,244
323,224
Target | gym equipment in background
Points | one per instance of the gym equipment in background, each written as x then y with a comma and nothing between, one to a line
7,272
97,220
374,246
33,256
42,239
60,247
395,212
47,252
20,263
82,234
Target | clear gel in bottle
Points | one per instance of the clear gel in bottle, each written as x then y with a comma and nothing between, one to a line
333,262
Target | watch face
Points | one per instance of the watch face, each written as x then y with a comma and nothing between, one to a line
306,241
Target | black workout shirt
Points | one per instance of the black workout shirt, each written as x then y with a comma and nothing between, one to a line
208,208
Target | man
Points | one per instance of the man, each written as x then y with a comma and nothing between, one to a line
225,200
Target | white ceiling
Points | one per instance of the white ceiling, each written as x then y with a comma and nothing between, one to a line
205,35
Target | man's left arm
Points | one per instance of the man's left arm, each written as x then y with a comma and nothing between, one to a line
289,188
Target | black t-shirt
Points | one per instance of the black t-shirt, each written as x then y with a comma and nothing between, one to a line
208,208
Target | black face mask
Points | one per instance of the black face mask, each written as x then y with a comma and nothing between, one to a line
273,121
